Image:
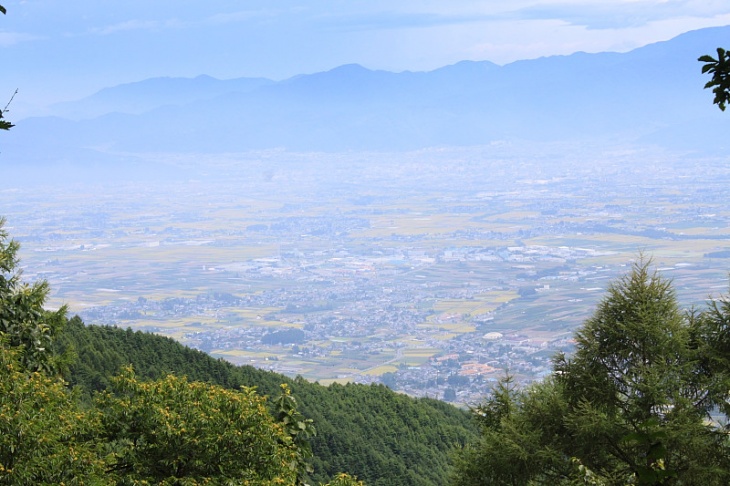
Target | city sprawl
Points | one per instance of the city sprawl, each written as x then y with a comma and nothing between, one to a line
434,272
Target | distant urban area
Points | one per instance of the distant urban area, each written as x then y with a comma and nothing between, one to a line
434,272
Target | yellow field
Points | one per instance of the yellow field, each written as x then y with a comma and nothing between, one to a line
408,224
346,370
481,304
458,327
329,381
236,353
381,370
254,316
420,352
514,216
252,312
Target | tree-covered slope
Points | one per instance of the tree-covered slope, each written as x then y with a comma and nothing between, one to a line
382,437
102,351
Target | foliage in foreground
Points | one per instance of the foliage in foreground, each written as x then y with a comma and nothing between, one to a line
166,431
632,406
26,325
720,81
45,436
4,124
383,437
169,431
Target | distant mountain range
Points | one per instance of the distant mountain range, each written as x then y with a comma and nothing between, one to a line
651,95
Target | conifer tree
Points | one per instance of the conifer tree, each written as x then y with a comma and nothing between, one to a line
631,406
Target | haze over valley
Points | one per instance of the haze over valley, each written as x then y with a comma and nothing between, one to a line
430,270
428,230
651,96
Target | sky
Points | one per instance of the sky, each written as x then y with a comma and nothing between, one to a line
54,51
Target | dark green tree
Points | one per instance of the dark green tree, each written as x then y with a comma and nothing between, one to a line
635,395
711,339
522,441
720,70
631,406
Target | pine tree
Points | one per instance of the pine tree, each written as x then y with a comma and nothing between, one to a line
631,406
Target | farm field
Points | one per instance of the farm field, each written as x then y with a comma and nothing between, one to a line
400,266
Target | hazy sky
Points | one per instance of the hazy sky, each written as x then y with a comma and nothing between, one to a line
54,49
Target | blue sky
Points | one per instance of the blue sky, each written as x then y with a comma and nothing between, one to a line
57,50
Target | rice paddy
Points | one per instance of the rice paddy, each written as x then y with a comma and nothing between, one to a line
391,266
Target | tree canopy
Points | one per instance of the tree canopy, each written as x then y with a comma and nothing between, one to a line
631,406
170,430
45,435
383,437
720,70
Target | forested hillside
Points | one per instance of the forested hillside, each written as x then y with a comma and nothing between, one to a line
382,437
147,410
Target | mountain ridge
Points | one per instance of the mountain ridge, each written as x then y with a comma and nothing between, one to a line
651,95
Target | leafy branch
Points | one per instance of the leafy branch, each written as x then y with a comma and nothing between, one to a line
720,82
4,124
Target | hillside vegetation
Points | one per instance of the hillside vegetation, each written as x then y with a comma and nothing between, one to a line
143,409
637,402
378,435
643,400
